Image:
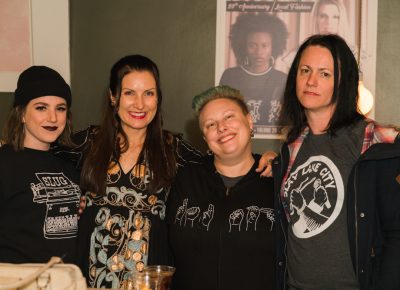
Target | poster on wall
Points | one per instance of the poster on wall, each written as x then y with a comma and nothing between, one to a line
33,32
257,42
15,40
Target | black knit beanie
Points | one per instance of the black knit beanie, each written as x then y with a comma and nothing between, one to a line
40,81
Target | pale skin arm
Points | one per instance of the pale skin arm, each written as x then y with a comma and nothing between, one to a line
265,163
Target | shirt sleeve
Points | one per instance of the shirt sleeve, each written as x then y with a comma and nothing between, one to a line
185,152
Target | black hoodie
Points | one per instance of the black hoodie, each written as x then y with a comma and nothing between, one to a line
221,238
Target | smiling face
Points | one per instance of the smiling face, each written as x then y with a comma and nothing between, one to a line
138,102
226,129
315,81
328,19
44,121
258,50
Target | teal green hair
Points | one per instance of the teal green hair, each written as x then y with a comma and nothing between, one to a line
219,92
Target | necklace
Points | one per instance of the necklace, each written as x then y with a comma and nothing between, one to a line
256,74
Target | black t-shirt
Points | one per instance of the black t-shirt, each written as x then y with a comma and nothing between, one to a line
39,201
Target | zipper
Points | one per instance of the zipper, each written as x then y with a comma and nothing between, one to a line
219,259
282,226
227,190
284,253
355,217
280,205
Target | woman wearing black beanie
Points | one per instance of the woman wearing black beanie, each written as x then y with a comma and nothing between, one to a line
39,192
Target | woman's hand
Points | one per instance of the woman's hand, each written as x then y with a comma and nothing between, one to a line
82,205
265,163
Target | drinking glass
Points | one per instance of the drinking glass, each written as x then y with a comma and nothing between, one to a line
156,277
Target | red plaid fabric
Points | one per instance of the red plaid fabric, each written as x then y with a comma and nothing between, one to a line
294,148
375,133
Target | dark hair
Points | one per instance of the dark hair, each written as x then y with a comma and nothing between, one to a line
111,140
345,93
14,132
262,22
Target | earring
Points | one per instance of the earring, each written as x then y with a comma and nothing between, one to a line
272,61
251,133
209,152
246,61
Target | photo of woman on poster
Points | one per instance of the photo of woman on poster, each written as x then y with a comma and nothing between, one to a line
328,17
257,40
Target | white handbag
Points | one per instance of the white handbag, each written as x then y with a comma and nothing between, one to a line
50,276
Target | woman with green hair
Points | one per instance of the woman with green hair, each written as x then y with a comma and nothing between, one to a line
220,212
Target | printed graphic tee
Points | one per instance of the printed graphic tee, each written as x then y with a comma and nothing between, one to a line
39,201
318,250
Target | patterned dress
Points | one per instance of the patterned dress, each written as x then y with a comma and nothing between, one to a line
124,230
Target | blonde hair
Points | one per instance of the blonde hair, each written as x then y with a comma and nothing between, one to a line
343,20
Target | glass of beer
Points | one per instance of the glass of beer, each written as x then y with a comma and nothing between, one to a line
151,278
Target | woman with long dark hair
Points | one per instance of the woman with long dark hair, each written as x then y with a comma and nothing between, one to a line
129,164
339,199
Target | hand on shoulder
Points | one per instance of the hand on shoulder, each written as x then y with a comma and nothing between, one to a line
265,163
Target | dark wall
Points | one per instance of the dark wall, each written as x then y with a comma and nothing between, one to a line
179,35
388,63
5,105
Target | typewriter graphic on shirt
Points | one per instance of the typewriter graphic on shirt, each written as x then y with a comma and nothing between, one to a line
61,196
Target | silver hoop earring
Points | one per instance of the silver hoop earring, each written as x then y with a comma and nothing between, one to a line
209,152
272,61
246,61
